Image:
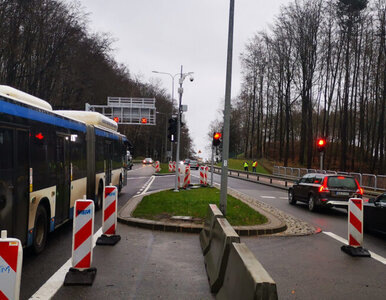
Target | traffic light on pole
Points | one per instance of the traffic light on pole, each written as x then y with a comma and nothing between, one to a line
321,144
216,139
172,130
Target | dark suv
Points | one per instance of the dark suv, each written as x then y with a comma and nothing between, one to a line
324,190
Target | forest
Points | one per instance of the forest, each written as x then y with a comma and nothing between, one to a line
319,71
47,51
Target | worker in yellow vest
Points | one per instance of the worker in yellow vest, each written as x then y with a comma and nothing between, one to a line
245,166
254,165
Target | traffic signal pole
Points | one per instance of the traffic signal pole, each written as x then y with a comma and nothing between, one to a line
211,168
225,149
321,161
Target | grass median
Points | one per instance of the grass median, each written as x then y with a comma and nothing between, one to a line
194,203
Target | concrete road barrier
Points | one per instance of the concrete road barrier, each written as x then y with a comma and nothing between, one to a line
245,277
205,235
217,256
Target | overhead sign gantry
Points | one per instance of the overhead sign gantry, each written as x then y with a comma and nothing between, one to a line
128,111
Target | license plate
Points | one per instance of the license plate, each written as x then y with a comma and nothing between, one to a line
342,193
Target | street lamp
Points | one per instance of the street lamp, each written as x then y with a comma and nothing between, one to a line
180,91
172,77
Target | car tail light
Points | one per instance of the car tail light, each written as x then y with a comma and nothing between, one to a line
323,188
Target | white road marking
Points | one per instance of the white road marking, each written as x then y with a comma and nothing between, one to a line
132,178
283,197
268,197
149,184
146,185
55,282
344,241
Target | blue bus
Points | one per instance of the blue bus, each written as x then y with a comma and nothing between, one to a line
49,159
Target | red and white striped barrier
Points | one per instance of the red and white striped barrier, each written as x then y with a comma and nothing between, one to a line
355,229
82,244
110,208
170,166
174,166
355,222
82,234
157,166
187,177
109,217
11,260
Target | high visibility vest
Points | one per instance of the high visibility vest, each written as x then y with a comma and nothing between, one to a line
254,164
245,165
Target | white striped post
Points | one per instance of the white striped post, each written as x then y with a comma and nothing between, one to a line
202,176
81,272
157,166
206,175
109,217
170,166
11,260
181,175
355,229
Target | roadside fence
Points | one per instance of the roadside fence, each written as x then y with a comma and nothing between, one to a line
368,181
285,177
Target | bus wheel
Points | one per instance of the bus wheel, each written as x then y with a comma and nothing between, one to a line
41,230
99,202
120,184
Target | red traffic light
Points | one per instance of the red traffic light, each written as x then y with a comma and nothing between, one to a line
216,139
217,135
321,144
143,120
116,119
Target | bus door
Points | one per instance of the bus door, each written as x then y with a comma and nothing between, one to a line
62,206
14,182
108,151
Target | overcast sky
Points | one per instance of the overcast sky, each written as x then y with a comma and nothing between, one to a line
162,35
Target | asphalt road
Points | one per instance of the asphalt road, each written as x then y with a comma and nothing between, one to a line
149,265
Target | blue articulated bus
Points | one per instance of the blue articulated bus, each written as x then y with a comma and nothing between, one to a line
48,160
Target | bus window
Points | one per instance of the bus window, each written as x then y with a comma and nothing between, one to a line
6,181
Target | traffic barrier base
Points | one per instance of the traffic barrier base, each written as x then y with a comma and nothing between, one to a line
80,277
355,251
108,240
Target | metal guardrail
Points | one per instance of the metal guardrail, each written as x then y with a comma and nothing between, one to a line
279,180
374,182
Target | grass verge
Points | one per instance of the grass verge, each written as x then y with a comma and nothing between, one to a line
194,203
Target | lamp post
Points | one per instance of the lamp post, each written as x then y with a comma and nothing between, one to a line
180,91
172,77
